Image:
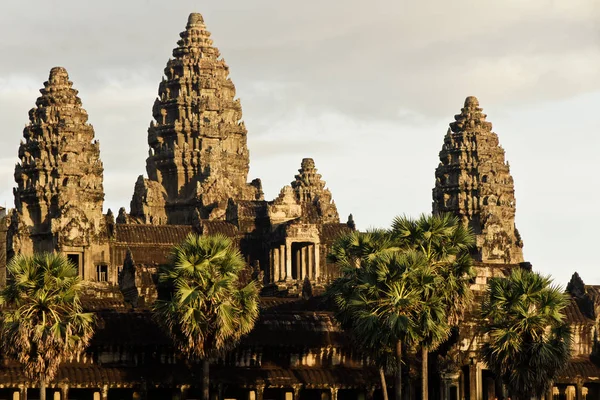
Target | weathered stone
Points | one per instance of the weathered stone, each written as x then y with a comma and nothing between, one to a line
59,193
198,153
473,181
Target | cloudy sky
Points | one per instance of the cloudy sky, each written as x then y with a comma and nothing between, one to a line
366,88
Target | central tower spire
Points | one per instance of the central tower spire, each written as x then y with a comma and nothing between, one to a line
473,181
198,154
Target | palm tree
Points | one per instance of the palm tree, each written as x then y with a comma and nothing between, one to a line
372,298
43,323
528,339
444,281
207,312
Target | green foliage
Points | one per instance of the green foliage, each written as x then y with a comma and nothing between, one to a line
207,311
42,323
528,339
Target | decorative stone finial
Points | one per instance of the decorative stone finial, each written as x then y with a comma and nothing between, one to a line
58,75
195,19
471,101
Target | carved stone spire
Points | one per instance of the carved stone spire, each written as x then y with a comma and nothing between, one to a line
309,189
473,181
198,150
59,193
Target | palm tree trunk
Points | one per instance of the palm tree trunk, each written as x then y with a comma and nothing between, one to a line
205,379
42,387
383,384
424,374
399,371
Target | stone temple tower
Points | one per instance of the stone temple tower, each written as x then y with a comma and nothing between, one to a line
198,156
59,193
473,181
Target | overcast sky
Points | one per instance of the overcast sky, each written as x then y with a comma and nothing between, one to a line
366,88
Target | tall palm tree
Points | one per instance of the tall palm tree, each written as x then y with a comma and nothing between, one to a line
43,323
208,311
372,298
444,281
528,339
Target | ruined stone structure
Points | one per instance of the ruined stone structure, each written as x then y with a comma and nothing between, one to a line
198,157
473,181
59,193
197,183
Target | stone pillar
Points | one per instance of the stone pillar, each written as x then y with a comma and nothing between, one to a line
282,270
317,262
297,391
23,392
473,381
65,391
105,392
579,390
260,390
334,393
276,265
298,256
271,266
311,261
570,392
304,250
16,395
288,260
97,395
56,395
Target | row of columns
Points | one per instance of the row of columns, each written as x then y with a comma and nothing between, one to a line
570,392
454,384
294,393
61,393
307,258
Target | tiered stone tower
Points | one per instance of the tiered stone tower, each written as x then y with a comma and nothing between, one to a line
59,193
198,155
310,190
306,199
473,181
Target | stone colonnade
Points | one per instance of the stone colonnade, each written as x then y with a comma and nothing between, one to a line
306,257
455,386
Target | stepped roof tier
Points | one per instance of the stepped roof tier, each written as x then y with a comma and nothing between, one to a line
59,176
473,181
198,156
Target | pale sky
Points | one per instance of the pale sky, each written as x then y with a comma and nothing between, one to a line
366,88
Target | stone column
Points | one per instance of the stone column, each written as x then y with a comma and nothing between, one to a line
298,256
56,395
271,266
16,395
579,389
297,391
473,381
317,262
97,395
570,392
260,390
288,260
65,391
105,392
311,261
304,250
282,262
334,393
23,392
276,265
